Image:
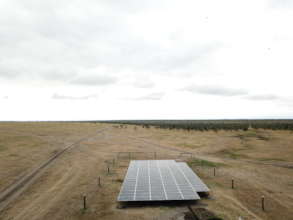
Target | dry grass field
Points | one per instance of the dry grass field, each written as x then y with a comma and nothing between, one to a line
259,161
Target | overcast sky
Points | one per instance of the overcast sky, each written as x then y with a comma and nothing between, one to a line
152,59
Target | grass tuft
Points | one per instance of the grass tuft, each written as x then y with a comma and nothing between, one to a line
203,163
252,134
189,145
271,159
232,154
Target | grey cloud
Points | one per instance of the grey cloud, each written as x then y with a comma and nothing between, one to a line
50,37
55,42
96,80
215,90
67,97
59,74
26,70
264,97
87,40
152,96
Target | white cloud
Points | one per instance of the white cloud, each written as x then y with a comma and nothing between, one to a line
94,80
152,96
67,97
139,55
281,4
215,90
265,97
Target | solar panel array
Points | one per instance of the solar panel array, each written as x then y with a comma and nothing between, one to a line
157,180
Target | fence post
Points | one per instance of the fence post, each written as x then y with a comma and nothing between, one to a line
263,203
84,202
232,183
99,181
108,169
214,171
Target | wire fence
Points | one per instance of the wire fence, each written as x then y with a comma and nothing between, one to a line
249,200
217,177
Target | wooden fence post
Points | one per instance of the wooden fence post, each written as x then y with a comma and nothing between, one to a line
263,203
84,202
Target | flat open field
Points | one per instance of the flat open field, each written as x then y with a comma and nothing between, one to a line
259,161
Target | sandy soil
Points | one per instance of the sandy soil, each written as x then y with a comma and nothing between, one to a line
260,163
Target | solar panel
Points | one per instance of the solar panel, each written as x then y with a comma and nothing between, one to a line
157,180
192,177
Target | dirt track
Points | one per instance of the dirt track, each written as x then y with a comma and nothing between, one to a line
16,188
57,192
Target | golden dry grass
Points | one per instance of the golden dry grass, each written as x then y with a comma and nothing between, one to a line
259,161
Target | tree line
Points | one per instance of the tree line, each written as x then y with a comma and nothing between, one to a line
205,125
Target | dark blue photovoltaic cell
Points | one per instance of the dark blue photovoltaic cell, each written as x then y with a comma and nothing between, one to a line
155,180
